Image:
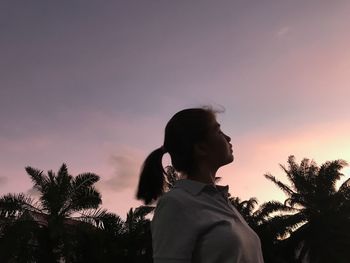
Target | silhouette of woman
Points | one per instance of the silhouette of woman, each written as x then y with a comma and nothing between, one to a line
194,222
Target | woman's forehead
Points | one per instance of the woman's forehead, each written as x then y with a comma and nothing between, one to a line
214,123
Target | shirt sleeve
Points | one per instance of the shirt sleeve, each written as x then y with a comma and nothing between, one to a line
173,232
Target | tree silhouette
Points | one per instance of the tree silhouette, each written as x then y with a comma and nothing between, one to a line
318,230
247,208
258,218
137,235
66,223
48,230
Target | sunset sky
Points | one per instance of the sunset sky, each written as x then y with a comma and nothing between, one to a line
93,84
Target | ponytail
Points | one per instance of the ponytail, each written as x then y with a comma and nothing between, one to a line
151,183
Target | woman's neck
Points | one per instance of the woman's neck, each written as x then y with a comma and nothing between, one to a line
203,175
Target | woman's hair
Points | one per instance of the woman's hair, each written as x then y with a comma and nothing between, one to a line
183,131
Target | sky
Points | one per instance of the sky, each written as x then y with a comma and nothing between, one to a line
93,83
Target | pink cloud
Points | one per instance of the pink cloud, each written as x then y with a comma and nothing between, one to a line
125,165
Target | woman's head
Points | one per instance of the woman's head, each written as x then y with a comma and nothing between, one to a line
185,131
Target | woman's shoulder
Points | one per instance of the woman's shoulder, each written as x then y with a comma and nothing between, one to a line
174,204
176,198
175,195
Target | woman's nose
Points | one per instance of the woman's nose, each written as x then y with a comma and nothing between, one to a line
228,138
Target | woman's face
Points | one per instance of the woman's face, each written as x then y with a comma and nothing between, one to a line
218,147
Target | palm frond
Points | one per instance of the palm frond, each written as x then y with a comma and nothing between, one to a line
266,209
282,225
344,191
13,205
37,177
300,200
85,198
63,180
92,216
63,170
281,185
250,203
292,169
247,206
329,174
112,223
143,210
302,177
84,180
235,201
52,177
345,186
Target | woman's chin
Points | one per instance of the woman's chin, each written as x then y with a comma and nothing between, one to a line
230,159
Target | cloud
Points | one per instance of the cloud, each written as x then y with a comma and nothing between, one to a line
126,167
283,31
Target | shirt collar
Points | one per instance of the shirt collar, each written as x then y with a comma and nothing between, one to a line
195,187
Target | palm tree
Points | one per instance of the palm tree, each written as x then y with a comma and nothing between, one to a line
319,228
258,218
137,235
46,230
129,240
247,208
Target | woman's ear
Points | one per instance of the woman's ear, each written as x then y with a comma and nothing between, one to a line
200,149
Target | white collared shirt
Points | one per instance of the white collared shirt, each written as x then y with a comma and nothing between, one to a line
195,223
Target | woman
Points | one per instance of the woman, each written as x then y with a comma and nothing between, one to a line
194,222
